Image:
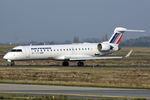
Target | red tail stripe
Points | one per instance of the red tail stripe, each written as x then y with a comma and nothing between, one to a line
119,39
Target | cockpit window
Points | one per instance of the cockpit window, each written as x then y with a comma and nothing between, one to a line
16,50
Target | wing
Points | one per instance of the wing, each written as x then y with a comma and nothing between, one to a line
103,57
94,58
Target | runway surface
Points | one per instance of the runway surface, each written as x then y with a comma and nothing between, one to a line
69,91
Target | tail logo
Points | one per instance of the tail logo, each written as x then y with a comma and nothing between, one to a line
116,38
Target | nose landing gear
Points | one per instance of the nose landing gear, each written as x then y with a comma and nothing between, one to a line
12,63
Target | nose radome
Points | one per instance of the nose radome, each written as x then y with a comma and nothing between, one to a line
5,56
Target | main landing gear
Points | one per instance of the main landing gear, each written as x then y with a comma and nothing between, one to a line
66,63
80,63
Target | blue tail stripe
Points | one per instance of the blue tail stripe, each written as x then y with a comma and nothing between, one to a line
114,38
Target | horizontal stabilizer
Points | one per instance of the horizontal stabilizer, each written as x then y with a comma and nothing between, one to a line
135,30
121,29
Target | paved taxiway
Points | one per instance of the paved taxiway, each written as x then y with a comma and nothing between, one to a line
72,91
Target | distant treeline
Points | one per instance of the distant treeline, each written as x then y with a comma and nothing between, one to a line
138,42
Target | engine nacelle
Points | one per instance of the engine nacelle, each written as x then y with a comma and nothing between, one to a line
104,47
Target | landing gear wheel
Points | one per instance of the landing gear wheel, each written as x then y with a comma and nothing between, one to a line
65,63
12,63
80,63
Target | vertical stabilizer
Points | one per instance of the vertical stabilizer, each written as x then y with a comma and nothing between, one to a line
118,33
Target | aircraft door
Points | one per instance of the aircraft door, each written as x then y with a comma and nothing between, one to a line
27,52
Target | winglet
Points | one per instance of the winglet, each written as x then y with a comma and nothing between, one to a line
129,53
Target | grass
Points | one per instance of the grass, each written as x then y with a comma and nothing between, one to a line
92,77
25,97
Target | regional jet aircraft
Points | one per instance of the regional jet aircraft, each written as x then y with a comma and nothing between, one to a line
70,52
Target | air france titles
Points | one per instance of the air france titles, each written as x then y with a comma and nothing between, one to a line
40,50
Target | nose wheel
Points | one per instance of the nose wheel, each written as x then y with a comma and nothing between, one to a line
12,63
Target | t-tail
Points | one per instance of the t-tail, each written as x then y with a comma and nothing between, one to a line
118,33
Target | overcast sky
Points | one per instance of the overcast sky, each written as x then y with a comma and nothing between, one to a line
60,20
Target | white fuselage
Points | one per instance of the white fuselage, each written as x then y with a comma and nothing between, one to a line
56,52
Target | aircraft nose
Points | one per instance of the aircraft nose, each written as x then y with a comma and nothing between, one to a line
8,57
5,56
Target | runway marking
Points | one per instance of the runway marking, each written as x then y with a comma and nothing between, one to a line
65,94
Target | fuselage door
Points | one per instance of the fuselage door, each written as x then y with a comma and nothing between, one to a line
27,52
